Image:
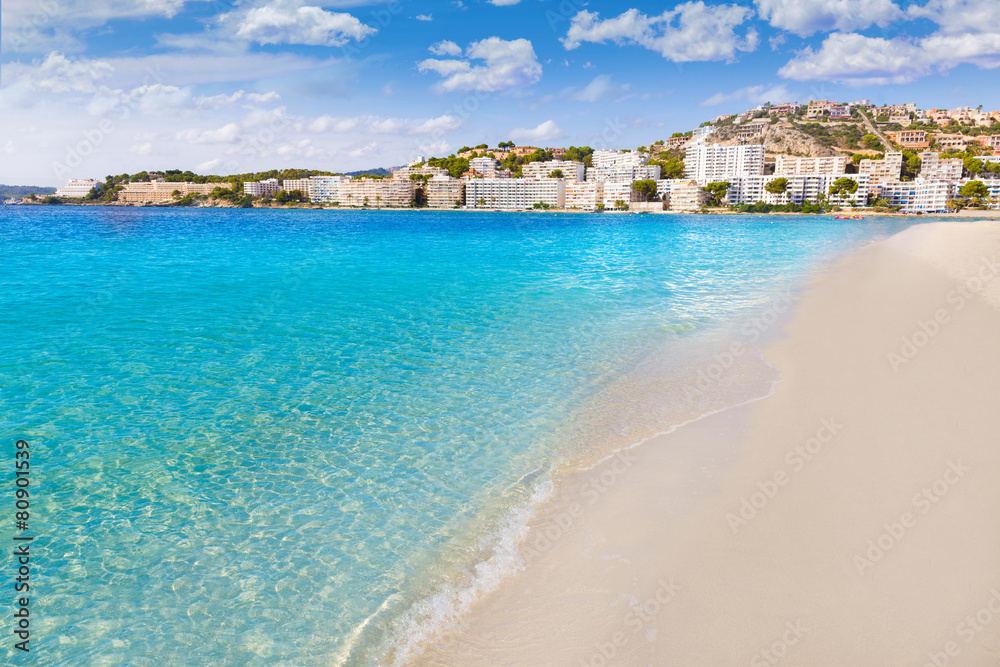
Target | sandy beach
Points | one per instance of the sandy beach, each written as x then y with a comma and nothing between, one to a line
852,517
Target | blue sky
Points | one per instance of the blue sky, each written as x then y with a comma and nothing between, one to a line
89,88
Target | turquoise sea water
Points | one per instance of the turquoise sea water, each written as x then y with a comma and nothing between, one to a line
299,437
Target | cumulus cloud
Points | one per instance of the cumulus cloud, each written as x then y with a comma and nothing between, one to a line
855,59
504,3
425,17
806,17
141,149
544,132
506,64
956,16
59,74
601,88
445,48
291,22
690,32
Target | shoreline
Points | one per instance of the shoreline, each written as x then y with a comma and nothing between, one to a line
977,214
868,550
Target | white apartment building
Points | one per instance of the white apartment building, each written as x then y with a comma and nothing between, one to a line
444,192
801,189
300,184
584,195
267,188
570,169
377,192
483,165
715,162
882,172
616,191
606,159
406,172
919,196
77,187
935,168
160,190
515,193
687,195
788,165
624,173
325,188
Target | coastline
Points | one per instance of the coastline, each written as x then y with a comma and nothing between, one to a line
974,214
847,518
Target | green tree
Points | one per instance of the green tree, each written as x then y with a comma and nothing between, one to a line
717,191
646,189
556,173
911,165
843,186
871,142
670,168
620,204
777,186
974,192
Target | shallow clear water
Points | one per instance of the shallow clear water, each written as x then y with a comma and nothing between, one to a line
266,437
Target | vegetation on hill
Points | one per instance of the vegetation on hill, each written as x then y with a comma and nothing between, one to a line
7,191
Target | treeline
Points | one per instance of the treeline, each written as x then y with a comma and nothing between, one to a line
18,191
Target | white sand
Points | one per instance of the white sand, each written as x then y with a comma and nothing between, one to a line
879,547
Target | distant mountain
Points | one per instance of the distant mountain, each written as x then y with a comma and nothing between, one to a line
23,190
369,172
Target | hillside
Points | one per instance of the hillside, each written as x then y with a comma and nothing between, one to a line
24,190
803,138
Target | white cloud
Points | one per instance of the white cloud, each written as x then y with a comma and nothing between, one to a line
263,98
425,17
777,41
692,31
507,64
959,15
219,101
544,132
141,149
806,17
855,59
504,3
207,167
227,134
42,25
601,88
290,22
362,150
58,74
774,93
382,125
445,48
